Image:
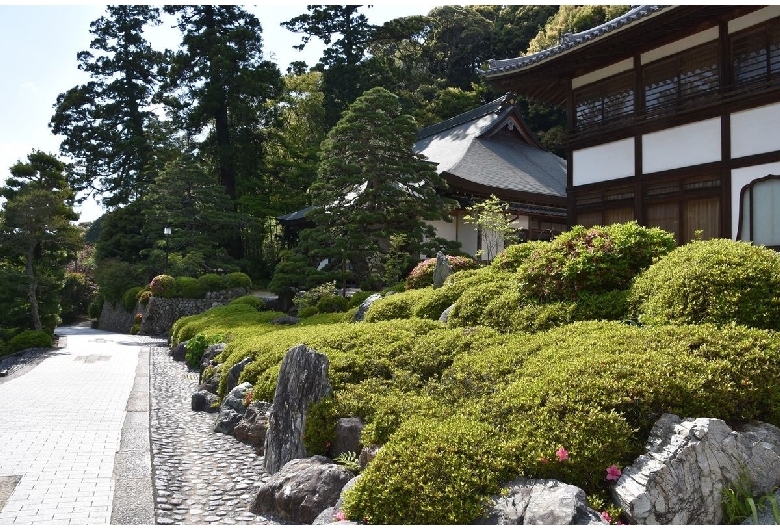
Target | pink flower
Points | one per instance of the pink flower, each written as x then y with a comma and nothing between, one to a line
327,445
606,517
543,460
613,472
340,516
562,453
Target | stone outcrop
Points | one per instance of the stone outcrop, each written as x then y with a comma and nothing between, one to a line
210,383
302,381
445,315
179,352
348,431
235,372
547,502
689,462
253,426
363,308
442,271
328,515
286,321
204,401
302,489
211,352
232,410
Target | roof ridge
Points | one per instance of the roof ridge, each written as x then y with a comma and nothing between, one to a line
572,40
460,119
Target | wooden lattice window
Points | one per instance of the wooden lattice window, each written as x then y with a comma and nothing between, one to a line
755,55
607,101
681,78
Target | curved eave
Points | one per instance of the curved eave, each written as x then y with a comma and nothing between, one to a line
549,78
460,183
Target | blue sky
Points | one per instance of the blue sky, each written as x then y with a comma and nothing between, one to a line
39,44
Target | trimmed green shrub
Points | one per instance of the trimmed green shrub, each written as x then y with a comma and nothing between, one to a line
718,281
197,345
144,296
212,282
307,312
608,305
238,280
510,313
394,306
29,339
250,300
514,255
162,286
332,303
130,298
601,258
186,287
96,307
422,274
435,457
470,305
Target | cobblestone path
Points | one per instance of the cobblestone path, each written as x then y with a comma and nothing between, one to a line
200,477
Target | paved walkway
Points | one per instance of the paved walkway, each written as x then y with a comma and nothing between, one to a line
61,433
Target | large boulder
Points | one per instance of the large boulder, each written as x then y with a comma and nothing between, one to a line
301,490
254,425
235,372
442,271
688,464
211,383
204,401
348,431
547,502
232,410
303,380
179,352
334,514
211,352
362,309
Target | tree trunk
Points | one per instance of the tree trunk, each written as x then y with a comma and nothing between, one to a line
33,281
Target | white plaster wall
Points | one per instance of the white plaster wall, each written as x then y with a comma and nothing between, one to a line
755,131
739,179
467,235
680,45
687,145
602,73
754,18
443,229
603,162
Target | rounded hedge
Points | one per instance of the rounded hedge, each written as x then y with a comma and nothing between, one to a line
249,299
718,281
130,298
29,339
186,287
513,256
212,282
238,280
162,286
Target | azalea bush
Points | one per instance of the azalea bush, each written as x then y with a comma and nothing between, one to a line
162,286
422,274
718,281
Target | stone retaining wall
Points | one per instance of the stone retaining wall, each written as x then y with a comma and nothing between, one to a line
159,314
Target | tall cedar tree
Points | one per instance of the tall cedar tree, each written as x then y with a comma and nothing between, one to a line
371,186
109,127
343,74
223,85
35,228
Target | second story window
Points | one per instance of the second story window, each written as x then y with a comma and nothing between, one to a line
755,55
682,78
604,102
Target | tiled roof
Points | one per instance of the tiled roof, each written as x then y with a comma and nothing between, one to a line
461,147
572,40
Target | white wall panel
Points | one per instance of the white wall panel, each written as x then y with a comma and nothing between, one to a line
741,178
603,162
687,145
756,17
680,45
603,73
755,131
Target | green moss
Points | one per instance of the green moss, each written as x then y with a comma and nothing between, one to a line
250,300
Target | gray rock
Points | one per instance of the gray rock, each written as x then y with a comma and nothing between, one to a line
328,516
360,314
254,425
212,383
232,410
445,315
301,490
179,352
689,462
348,431
765,514
367,455
547,502
442,271
303,380
204,401
286,321
235,372
211,352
